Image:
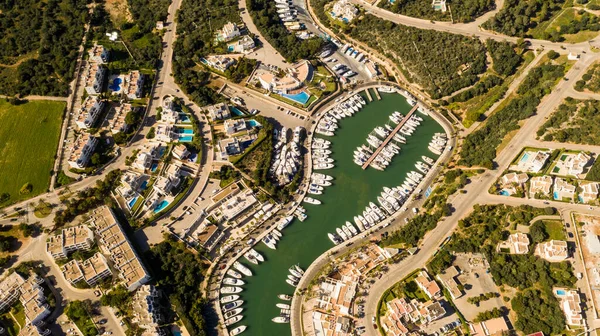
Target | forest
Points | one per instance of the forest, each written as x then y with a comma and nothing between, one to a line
265,17
482,87
574,121
479,147
462,10
505,59
517,17
538,310
440,62
44,37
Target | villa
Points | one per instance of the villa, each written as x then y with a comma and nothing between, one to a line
492,327
219,62
448,280
218,111
589,191
230,146
144,158
243,45
235,126
93,78
517,243
562,189
294,79
540,184
91,270
180,152
230,31
69,240
439,5
164,185
89,111
428,286
571,164
169,116
344,10
114,242
134,85
117,115
81,150
570,303
511,178
165,133
130,183
531,162
553,251
98,54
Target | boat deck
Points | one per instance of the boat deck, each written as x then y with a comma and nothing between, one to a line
389,137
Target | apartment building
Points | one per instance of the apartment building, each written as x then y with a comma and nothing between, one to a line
89,112
91,270
146,308
9,290
33,300
117,115
134,85
98,54
114,242
31,330
427,285
81,150
69,240
93,78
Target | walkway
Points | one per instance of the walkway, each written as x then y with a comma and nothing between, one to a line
389,138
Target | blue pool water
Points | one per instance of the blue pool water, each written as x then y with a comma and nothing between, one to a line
504,193
132,202
186,131
187,138
524,158
144,185
580,199
555,194
236,111
560,292
230,48
192,157
253,123
153,167
116,84
184,118
176,333
301,97
163,204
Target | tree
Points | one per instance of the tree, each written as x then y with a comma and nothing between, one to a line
151,133
538,233
96,159
4,197
553,54
26,189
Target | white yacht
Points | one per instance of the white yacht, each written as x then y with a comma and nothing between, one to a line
333,238
270,242
291,283
276,234
359,221
351,228
256,255
311,200
284,222
229,298
295,273
233,313
323,166
284,297
243,269
283,306
233,320
293,278
347,231
232,305
237,330
231,290
341,233
299,269
233,282
281,319
251,258
234,274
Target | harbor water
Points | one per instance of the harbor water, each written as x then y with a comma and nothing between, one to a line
352,190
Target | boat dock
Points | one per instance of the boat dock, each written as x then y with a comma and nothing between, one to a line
369,95
377,94
389,137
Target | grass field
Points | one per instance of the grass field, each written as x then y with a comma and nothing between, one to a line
554,228
29,136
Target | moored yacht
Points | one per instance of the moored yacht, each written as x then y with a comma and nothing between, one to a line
237,330
233,320
311,200
281,319
243,269
234,274
233,282
233,313
232,305
231,290
284,222
229,298
284,297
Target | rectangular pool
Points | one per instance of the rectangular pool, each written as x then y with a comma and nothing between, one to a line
300,98
187,138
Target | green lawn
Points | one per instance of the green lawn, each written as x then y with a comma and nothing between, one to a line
554,228
29,134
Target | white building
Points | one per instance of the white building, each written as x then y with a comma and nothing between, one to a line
130,182
218,111
117,115
88,113
98,54
589,191
531,161
81,150
230,31
540,184
553,251
166,133
344,10
439,5
220,62
180,152
235,126
134,85
70,239
93,78
146,307
570,303
169,116
563,189
243,45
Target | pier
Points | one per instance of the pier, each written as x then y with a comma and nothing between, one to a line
369,95
389,137
377,94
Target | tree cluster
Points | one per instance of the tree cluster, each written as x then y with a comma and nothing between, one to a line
517,17
574,121
462,10
482,87
538,310
504,57
479,147
490,314
45,36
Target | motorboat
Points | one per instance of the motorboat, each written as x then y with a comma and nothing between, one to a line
314,191
428,160
352,228
231,290
333,238
229,298
341,233
283,306
284,297
243,269
386,89
347,231
251,258
293,278
276,234
256,255
237,330
359,223
232,305
291,283
311,200
295,273
284,222
299,269
270,242
281,319
233,313
233,282
233,320
322,177
323,166
234,274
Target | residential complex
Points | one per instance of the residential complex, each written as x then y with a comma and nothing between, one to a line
93,77
117,116
91,270
80,150
90,110
517,243
134,85
69,240
98,54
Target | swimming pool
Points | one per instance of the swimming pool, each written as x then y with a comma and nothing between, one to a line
187,138
300,98
153,167
524,157
230,48
556,197
144,185
236,111
253,123
132,202
186,131
116,84
560,292
504,193
160,207
184,118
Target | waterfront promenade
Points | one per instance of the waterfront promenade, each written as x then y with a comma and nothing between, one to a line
389,138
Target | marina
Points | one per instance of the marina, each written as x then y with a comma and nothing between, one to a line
352,190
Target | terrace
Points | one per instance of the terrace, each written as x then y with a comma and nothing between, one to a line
88,113
134,85
81,150
93,78
116,117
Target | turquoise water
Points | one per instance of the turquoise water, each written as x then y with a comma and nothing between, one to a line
560,292
186,131
163,204
145,183
253,123
353,188
504,193
236,111
301,97
556,197
525,157
184,118
187,138
132,202
153,168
